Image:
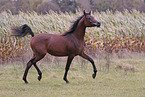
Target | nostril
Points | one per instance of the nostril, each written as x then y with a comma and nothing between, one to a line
99,23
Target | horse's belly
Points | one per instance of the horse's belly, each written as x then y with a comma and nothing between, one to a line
57,53
62,50
57,50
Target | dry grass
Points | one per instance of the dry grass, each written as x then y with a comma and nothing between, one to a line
126,67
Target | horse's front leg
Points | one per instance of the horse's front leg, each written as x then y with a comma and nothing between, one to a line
69,60
92,61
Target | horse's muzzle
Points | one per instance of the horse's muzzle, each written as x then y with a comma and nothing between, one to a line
98,24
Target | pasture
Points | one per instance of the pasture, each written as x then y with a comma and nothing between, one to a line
116,83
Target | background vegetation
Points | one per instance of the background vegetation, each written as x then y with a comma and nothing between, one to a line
119,31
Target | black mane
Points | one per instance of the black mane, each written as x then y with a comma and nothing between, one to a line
74,26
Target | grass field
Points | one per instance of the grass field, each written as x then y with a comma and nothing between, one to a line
116,83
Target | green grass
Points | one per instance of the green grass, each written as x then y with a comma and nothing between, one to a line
113,84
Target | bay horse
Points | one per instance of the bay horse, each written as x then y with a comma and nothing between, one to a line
70,43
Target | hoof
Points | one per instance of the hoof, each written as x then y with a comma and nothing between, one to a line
66,81
26,82
93,75
40,75
39,78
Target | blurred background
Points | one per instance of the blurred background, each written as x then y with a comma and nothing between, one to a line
44,6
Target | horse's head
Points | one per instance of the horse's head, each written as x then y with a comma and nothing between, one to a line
90,21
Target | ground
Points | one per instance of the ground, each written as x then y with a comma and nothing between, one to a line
116,83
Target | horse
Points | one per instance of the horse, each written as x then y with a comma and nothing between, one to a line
70,44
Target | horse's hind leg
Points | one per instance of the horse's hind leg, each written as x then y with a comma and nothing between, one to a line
39,72
69,60
29,64
36,67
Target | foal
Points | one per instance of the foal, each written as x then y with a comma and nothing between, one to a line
70,43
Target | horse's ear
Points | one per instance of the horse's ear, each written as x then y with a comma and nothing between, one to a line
90,13
84,12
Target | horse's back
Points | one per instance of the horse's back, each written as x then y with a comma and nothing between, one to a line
51,43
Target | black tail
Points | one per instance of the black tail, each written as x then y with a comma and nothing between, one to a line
21,31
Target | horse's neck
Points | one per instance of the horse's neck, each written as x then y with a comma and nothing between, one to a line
79,32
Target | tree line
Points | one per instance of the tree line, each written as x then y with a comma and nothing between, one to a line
44,6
